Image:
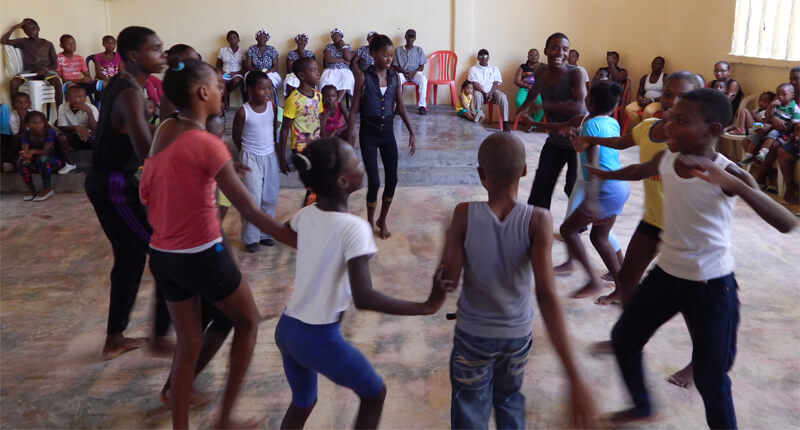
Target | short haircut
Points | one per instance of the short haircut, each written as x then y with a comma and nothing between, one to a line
482,52
108,36
65,37
132,38
605,95
20,95
255,76
576,52
232,32
769,94
613,54
34,114
660,58
554,36
379,41
72,88
686,76
724,63
181,50
787,86
328,88
501,156
712,105
301,65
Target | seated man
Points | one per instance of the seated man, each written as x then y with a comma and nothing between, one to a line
409,61
38,56
485,79
613,71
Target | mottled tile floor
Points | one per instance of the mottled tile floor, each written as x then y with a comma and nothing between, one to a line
53,303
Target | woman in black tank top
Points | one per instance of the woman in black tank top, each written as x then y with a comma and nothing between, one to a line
122,142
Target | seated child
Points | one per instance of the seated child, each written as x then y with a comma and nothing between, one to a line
7,152
229,62
151,114
780,120
749,117
503,246
38,57
38,155
106,63
254,130
466,106
77,121
334,118
720,86
21,104
72,67
333,252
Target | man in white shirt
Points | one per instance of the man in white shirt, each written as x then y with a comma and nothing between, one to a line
77,123
485,79
409,62
573,60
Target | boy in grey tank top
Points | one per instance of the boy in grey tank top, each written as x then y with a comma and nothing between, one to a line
502,245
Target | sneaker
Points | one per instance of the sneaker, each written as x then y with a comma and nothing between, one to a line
41,198
479,116
67,168
746,161
251,248
28,197
8,167
267,242
423,110
761,156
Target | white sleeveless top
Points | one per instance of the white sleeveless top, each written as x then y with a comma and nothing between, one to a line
652,91
258,137
696,239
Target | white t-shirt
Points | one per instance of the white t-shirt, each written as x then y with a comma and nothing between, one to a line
326,241
14,121
231,61
485,76
66,117
696,240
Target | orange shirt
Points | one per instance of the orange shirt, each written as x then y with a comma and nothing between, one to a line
178,188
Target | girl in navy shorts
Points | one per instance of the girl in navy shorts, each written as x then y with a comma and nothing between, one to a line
338,245
188,258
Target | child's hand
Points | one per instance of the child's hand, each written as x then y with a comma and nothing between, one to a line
568,131
580,143
82,132
412,147
438,293
778,124
240,168
705,169
447,285
283,165
596,172
25,154
582,410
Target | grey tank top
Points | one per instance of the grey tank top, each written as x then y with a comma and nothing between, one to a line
495,300
561,92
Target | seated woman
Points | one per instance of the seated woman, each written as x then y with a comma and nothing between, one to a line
722,73
612,72
229,62
263,57
336,59
524,80
648,96
291,82
362,58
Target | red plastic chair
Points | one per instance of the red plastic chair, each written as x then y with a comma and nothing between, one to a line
492,108
443,72
407,83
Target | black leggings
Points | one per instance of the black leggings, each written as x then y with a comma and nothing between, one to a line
375,135
115,197
551,161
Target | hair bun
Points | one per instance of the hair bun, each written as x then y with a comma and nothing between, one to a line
301,162
175,64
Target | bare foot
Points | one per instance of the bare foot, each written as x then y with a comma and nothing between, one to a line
603,347
116,345
682,378
249,424
384,232
162,347
610,299
198,399
590,289
564,268
629,416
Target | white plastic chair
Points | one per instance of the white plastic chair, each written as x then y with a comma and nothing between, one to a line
40,92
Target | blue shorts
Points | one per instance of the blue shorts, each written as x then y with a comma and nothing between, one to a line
308,349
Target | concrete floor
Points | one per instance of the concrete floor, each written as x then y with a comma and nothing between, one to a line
53,304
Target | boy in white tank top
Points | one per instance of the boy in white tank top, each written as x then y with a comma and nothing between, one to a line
501,245
254,134
694,272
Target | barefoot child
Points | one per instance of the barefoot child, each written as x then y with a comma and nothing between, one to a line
377,96
37,155
334,118
694,273
465,105
301,113
502,246
749,117
188,259
337,247
254,130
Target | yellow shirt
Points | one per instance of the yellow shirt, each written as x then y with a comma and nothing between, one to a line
653,193
304,112
467,100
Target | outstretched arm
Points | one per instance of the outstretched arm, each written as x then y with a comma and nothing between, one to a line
580,143
365,298
634,172
573,122
453,257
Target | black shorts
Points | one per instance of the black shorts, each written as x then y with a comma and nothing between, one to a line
648,229
210,274
75,141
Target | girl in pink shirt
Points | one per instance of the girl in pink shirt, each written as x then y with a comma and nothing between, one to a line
188,259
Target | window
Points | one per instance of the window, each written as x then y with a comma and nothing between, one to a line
767,29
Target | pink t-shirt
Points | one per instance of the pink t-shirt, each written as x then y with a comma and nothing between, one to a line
177,186
152,86
71,68
107,69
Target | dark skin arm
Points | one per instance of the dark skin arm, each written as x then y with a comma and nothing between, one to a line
568,126
580,143
286,125
640,94
358,90
127,116
616,74
733,89
274,67
401,109
453,258
219,64
573,106
518,79
366,298
774,122
238,125
6,38
634,172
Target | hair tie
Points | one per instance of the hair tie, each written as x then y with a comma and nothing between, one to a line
371,33
337,31
305,160
262,31
178,67
300,36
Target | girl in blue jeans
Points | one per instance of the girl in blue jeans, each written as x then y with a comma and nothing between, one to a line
334,247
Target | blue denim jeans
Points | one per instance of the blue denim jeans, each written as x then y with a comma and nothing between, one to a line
711,309
487,372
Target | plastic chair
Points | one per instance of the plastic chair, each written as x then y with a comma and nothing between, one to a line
407,83
443,72
730,145
492,108
39,91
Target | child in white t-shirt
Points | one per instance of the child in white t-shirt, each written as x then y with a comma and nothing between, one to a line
77,122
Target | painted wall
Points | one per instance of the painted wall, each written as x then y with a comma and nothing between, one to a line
690,34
